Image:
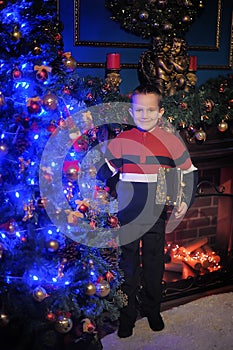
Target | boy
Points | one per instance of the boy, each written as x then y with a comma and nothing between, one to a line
137,154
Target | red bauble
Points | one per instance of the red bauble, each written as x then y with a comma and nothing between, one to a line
16,73
112,221
34,107
42,75
83,208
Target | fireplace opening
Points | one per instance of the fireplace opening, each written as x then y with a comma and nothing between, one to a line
199,252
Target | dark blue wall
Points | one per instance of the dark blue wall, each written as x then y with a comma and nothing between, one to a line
96,26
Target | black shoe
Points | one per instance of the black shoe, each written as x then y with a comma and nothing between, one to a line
124,331
155,322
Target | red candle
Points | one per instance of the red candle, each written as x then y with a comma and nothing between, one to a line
113,61
193,63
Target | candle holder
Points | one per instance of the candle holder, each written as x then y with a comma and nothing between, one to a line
112,74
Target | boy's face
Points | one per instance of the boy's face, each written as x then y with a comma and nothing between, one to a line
145,111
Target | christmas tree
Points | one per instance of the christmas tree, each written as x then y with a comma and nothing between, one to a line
59,274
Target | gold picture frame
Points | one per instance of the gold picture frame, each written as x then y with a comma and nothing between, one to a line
127,45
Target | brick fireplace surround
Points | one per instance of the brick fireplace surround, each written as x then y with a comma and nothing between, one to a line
211,215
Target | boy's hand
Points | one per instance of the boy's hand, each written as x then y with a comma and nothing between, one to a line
181,211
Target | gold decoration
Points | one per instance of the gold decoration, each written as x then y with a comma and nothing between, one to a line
52,245
90,289
102,288
170,186
29,210
16,35
23,164
39,294
50,101
72,173
200,135
73,216
222,126
113,80
69,62
63,324
167,65
2,99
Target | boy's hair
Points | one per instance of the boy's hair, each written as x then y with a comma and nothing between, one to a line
147,89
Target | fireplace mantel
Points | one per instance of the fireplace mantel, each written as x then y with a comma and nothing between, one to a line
215,152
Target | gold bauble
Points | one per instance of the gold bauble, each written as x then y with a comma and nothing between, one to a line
70,63
222,126
72,173
39,294
63,324
4,319
3,148
52,245
101,196
16,35
2,99
90,289
92,171
143,15
200,135
50,101
102,288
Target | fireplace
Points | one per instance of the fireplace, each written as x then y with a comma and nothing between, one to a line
208,222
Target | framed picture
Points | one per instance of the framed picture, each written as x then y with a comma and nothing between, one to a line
93,27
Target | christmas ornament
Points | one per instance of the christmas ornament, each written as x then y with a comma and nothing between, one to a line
47,173
87,326
209,105
50,102
109,276
42,73
73,216
4,319
62,123
69,62
1,250
71,170
63,324
16,73
37,50
23,165
101,195
52,127
230,102
16,35
52,245
90,289
2,99
113,221
42,203
29,210
3,148
34,105
39,294
80,144
102,288
93,224
51,316
9,228
143,15
222,126
83,208
200,135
